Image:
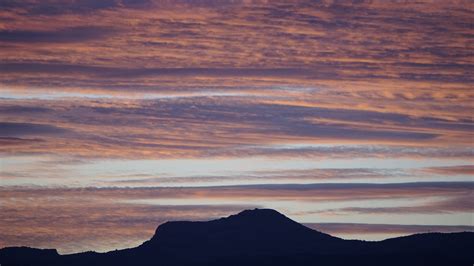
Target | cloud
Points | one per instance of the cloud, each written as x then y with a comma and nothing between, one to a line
290,175
52,7
450,170
450,205
15,109
5,141
187,127
312,43
64,35
318,191
107,72
8,129
345,151
341,229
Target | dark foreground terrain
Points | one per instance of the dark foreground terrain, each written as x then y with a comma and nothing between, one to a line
261,237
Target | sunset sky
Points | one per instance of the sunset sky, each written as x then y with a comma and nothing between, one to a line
116,116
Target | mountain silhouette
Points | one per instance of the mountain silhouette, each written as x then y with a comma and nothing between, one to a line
260,237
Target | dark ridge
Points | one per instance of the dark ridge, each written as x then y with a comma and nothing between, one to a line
24,255
260,237
256,220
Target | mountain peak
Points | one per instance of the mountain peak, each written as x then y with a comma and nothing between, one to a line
254,218
259,214
257,211
246,226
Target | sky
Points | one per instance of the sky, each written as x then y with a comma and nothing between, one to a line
116,116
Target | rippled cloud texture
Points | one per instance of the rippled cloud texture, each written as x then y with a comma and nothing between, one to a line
115,116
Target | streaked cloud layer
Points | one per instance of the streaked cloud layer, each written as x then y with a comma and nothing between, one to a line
115,116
